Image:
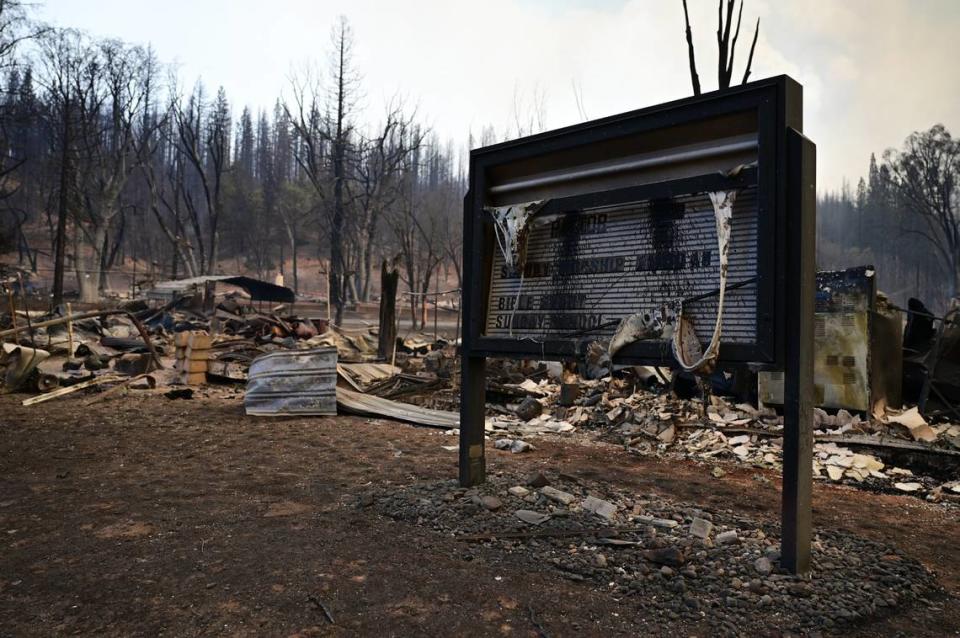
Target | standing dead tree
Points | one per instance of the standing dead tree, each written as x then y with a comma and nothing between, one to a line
925,177
118,85
325,139
14,29
203,135
726,45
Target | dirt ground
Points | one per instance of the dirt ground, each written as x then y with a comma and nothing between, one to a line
153,517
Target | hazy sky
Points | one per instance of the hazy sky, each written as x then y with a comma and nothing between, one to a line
872,70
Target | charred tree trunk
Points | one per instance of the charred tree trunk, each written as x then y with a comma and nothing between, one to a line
60,242
389,282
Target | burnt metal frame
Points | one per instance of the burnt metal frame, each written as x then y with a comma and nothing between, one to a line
786,198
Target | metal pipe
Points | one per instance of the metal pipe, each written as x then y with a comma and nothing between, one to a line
631,165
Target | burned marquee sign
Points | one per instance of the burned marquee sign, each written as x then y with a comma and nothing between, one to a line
583,268
680,234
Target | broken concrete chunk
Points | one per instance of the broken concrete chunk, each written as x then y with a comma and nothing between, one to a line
701,528
531,518
600,507
664,523
727,537
558,495
518,491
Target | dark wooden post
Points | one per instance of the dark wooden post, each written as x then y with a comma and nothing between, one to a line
473,383
798,355
389,280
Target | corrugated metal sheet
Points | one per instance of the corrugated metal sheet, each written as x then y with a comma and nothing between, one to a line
301,382
369,405
625,259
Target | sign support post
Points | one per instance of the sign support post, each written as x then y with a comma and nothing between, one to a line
473,383
798,356
472,415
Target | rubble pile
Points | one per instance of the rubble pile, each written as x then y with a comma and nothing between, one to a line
673,560
652,421
633,406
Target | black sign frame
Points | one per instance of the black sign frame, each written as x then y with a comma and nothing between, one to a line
785,177
778,103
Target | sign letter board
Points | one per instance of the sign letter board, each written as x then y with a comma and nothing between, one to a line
568,232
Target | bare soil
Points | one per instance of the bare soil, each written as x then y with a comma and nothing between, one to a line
144,516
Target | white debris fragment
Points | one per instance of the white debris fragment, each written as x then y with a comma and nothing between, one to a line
908,487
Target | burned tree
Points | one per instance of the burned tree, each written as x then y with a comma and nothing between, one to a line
925,177
324,135
726,45
380,161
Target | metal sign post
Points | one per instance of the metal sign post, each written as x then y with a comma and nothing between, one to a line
684,226
798,378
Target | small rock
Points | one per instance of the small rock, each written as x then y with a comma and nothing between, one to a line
538,480
558,495
727,537
531,518
518,491
666,571
492,503
601,560
763,566
701,528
